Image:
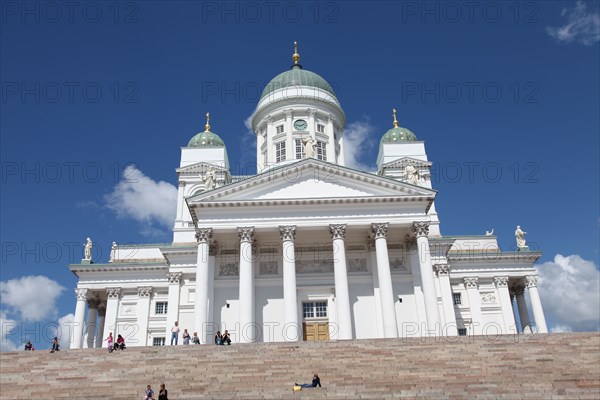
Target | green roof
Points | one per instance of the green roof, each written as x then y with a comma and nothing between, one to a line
206,139
297,77
398,134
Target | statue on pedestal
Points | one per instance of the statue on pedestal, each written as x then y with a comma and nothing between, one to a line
113,252
210,179
520,237
412,175
309,147
87,250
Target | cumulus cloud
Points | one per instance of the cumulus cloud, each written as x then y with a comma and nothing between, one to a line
358,139
582,26
32,297
144,200
570,292
248,145
7,326
64,329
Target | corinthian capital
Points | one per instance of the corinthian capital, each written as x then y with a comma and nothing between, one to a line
174,277
337,231
287,233
144,291
441,269
531,281
501,281
113,293
471,282
204,235
420,228
81,294
246,234
379,231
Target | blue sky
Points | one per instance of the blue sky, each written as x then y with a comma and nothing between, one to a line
504,94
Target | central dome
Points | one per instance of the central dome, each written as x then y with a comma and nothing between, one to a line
297,77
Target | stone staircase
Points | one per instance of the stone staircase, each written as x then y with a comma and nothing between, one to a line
556,366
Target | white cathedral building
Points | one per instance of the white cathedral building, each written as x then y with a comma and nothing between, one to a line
308,248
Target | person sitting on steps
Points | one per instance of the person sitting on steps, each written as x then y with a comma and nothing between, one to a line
218,338
225,339
120,344
29,346
315,382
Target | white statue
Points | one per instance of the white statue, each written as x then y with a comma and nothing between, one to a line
113,252
412,174
489,233
210,179
309,147
520,236
87,250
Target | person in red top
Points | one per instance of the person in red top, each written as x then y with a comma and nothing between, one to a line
120,344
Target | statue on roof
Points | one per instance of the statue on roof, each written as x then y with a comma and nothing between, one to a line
210,179
520,237
412,175
309,147
87,250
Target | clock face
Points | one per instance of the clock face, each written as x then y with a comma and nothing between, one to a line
300,125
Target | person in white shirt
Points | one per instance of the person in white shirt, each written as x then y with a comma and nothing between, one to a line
175,333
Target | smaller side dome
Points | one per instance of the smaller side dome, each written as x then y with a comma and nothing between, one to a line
206,138
398,134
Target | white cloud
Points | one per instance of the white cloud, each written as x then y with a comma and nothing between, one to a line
143,199
7,325
248,146
570,293
561,329
32,297
357,141
582,26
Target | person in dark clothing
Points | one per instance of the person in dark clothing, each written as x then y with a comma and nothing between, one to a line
162,393
55,345
218,338
225,339
315,382
120,344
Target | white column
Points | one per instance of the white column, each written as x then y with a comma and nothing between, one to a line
522,307
376,292
472,286
172,304
421,230
112,307
290,146
203,236
248,328
449,329
386,291
143,314
536,304
90,325
100,326
505,305
212,251
79,322
180,204
291,328
342,293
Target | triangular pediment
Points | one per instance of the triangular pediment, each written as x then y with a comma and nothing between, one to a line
404,161
200,167
311,179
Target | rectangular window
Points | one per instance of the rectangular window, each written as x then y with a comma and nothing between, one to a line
265,158
462,331
158,341
456,298
314,310
299,149
161,307
320,128
280,152
321,150
279,129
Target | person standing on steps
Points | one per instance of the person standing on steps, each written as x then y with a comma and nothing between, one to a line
175,333
162,393
186,337
196,339
110,341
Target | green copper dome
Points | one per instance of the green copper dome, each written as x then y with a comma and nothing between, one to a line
297,77
398,134
206,139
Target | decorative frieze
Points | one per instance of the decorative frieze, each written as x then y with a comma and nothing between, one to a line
420,228
314,266
357,265
488,298
268,268
397,264
471,282
229,269
287,233
246,234
174,277
204,235
337,231
379,231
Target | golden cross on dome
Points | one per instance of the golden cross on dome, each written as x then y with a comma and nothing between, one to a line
395,120
296,56
207,126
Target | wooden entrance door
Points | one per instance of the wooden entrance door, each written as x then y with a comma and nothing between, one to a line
315,331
